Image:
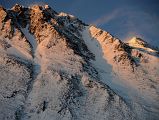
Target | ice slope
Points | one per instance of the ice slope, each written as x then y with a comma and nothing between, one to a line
35,55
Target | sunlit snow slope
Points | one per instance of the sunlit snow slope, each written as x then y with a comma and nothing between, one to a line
55,67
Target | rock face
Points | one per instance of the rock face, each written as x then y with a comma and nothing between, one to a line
55,67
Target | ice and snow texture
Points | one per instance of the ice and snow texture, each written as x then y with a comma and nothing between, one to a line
48,80
63,90
137,91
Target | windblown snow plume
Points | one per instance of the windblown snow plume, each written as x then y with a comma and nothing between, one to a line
55,67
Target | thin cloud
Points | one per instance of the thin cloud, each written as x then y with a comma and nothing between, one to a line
106,18
143,25
37,3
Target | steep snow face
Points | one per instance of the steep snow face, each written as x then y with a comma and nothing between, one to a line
133,79
59,68
15,73
65,91
14,76
49,75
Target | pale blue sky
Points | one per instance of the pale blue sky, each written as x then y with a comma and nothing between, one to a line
122,18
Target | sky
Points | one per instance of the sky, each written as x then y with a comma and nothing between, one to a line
122,18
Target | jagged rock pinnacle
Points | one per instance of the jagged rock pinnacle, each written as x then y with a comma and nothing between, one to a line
17,8
3,13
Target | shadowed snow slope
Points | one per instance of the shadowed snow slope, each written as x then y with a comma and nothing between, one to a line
55,67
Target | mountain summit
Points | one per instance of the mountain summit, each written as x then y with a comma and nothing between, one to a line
53,66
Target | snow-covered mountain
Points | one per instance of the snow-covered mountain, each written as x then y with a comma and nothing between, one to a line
55,67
